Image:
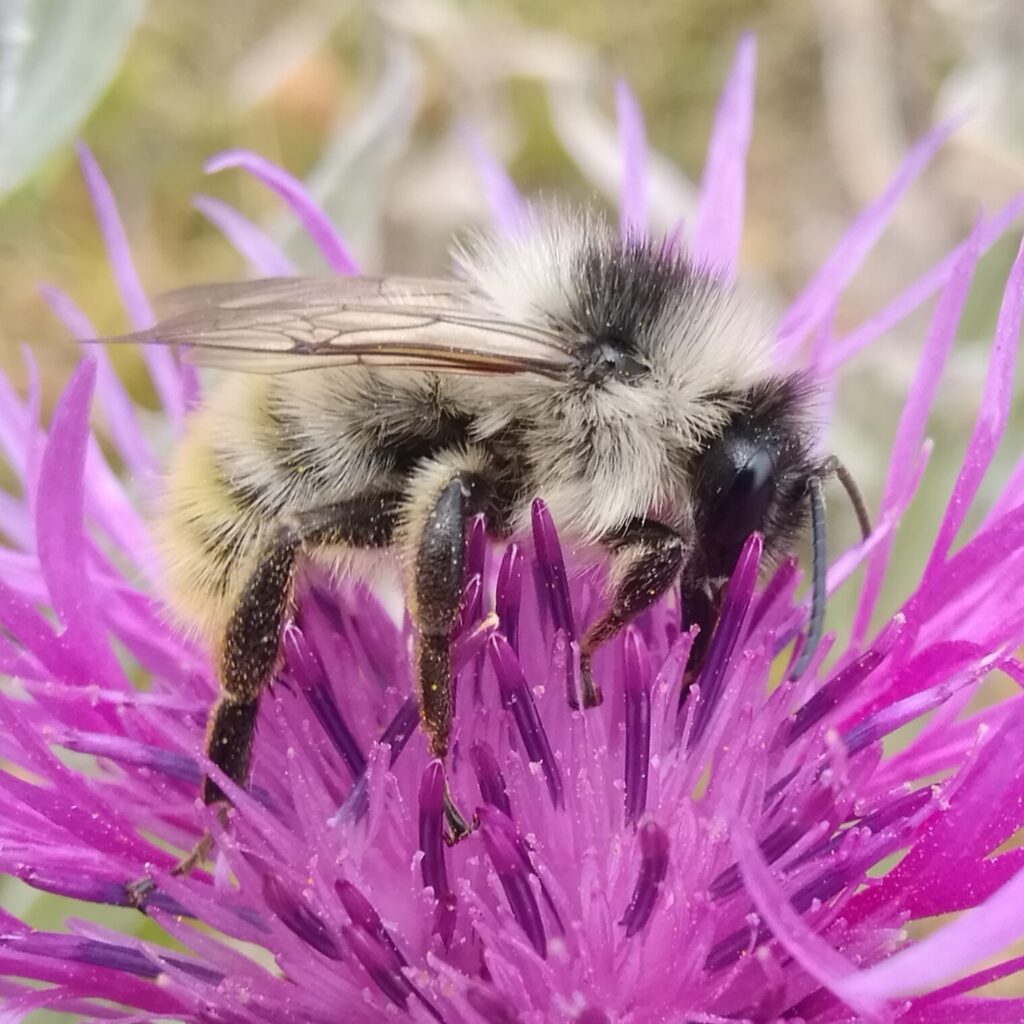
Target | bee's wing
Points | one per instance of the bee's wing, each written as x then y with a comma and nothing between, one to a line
283,325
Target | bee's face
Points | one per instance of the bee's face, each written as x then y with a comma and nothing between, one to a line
753,476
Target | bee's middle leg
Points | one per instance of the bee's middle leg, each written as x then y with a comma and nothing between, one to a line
436,550
646,560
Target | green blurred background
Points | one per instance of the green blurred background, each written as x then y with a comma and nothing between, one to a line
367,101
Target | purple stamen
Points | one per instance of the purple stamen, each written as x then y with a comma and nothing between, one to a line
564,668
362,914
433,868
513,875
654,847
735,607
781,580
508,594
516,696
896,812
772,848
395,737
898,809
307,672
637,687
471,608
102,954
470,646
492,789
728,950
132,752
97,890
492,1007
830,883
324,617
299,917
837,689
380,964
555,583
900,713
490,778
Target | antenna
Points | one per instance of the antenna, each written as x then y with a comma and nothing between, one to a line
819,549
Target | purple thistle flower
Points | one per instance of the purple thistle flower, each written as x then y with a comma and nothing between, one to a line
727,860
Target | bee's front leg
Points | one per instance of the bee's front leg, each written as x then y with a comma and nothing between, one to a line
646,560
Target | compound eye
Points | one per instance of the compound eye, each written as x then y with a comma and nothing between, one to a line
745,490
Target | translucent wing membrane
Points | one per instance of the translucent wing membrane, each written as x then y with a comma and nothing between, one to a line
283,325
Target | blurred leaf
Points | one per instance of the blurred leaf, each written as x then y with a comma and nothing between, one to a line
56,59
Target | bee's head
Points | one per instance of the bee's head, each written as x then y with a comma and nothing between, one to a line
752,475
671,383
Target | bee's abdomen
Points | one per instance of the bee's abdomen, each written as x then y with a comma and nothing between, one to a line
208,542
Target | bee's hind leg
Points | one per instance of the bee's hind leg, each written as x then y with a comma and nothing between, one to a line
251,643
646,560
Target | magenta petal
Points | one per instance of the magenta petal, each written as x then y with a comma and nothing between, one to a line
117,406
977,934
819,295
61,508
911,430
294,193
164,371
992,415
920,291
60,531
264,256
633,202
508,209
132,294
967,984
812,952
719,221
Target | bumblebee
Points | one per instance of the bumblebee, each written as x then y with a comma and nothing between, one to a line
357,417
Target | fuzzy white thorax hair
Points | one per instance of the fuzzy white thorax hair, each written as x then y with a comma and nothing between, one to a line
605,455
